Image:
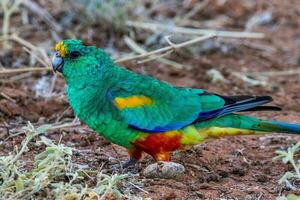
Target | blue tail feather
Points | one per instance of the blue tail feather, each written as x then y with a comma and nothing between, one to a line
279,127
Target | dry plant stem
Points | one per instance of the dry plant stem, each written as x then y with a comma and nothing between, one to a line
7,12
37,57
277,73
138,49
44,14
24,69
139,188
248,80
144,55
199,6
118,156
7,97
66,125
23,149
167,38
16,38
53,127
192,31
53,82
155,57
31,48
295,167
165,49
17,77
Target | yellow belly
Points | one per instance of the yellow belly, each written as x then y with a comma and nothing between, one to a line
191,135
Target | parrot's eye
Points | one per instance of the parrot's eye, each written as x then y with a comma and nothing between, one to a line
74,54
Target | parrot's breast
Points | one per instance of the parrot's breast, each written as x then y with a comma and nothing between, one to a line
92,108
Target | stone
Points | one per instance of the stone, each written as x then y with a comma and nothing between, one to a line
162,169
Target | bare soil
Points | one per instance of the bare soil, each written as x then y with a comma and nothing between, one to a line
228,168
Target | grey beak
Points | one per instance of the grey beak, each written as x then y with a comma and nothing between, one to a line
57,63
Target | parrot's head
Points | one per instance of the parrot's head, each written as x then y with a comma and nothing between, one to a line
74,59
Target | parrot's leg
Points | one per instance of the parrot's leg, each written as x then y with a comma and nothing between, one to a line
161,156
135,156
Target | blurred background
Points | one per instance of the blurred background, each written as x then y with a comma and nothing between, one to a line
256,52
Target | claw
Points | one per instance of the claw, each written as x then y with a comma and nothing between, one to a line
130,162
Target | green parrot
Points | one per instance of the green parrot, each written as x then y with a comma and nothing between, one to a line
144,114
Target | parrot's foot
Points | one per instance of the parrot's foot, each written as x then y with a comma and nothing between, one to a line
124,167
135,155
130,162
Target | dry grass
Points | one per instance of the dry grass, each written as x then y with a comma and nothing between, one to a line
53,172
289,157
54,175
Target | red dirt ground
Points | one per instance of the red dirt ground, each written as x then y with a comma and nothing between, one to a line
227,168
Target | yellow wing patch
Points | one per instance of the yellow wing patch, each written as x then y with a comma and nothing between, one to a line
132,101
61,49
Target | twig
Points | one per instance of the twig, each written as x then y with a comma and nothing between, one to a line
66,125
143,55
167,38
44,14
30,46
7,12
276,73
17,77
25,143
164,49
147,54
21,41
192,12
139,188
37,57
135,47
248,80
31,49
118,156
261,47
52,86
192,31
7,97
197,167
155,57
25,69
53,127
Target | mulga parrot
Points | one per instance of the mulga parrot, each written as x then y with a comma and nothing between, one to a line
144,114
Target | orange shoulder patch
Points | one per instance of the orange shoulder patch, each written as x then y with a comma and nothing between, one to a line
132,101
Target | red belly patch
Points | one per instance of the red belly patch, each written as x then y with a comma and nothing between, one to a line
154,144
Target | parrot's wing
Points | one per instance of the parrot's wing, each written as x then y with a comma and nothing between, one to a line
153,106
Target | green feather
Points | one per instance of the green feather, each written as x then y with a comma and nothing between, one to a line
94,81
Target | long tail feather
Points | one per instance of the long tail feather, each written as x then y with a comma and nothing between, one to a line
249,123
279,127
232,105
263,108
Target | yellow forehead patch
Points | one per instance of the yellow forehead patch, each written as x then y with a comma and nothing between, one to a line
132,101
61,49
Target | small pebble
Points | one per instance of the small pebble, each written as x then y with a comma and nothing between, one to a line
223,174
204,186
167,170
238,171
262,178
